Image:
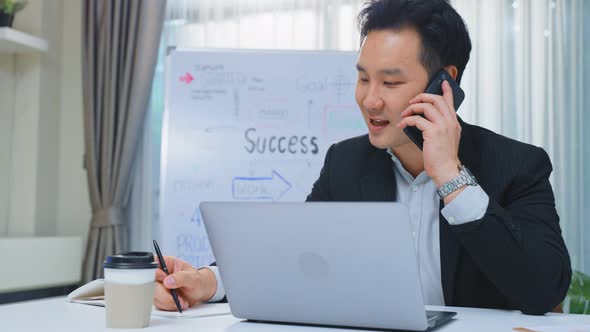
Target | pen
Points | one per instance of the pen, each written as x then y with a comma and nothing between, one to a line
165,269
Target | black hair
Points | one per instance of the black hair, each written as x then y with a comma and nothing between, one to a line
445,40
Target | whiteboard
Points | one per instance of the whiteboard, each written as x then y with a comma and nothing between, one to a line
247,126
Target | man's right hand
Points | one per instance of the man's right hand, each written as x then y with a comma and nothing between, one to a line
193,286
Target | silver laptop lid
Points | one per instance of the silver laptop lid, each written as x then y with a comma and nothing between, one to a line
343,264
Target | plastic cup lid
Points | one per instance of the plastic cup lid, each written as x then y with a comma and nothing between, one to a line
131,260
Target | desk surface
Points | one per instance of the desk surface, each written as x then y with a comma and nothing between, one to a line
58,315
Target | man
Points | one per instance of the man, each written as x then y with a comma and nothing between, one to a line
491,240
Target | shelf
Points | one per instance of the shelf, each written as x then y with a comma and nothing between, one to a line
40,262
14,41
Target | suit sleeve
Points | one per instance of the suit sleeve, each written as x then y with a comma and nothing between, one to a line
321,188
519,246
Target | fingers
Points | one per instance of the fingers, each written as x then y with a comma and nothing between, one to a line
448,95
441,103
169,260
160,275
175,264
163,299
189,279
416,121
431,113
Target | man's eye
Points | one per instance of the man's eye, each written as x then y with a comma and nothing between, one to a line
363,79
391,83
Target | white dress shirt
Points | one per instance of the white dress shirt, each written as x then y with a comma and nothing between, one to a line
419,194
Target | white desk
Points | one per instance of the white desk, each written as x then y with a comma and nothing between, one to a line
57,315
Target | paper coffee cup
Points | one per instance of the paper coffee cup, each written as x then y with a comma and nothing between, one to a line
129,289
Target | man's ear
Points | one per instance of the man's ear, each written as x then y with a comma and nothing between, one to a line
452,70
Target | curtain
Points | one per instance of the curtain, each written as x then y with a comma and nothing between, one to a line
585,148
120,39
524,80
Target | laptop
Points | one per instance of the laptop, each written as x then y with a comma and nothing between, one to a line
328,263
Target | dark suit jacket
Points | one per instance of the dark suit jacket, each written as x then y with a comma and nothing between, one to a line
512,258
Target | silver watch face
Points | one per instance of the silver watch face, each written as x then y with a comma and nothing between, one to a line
465,178
469,174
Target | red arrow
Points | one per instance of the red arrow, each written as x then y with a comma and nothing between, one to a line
187,78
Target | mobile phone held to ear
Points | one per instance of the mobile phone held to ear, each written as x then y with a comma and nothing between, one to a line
435,87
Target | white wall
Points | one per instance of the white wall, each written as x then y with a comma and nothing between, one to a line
24,85
43,190
49,124
6,104
73,206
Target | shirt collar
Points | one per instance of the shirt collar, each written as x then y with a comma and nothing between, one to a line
397,164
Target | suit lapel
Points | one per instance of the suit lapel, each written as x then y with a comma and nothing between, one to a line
449,244
378,181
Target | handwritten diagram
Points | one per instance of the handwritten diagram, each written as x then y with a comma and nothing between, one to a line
260,188
247,126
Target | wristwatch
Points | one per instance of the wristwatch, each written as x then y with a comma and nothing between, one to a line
464,178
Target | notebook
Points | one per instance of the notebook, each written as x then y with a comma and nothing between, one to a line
92,293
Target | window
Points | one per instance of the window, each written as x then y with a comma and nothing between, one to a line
525,80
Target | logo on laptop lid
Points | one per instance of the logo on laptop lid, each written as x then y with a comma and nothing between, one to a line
313,266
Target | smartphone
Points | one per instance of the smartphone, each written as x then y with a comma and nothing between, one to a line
435,87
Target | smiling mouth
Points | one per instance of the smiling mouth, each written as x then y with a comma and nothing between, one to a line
379,123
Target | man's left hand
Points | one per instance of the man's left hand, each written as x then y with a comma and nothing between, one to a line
441,131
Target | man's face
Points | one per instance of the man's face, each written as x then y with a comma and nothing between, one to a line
389,75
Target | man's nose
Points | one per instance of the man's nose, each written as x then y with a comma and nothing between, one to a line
372,100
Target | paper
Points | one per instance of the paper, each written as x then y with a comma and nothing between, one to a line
95,301
92,293
201,310
563,328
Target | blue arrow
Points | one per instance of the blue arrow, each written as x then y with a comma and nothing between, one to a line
260,188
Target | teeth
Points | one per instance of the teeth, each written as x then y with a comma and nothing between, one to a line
380,122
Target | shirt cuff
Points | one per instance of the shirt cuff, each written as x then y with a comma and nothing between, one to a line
470,205
220,292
